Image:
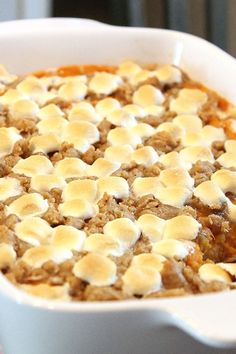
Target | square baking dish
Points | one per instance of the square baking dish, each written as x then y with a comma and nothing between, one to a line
31,325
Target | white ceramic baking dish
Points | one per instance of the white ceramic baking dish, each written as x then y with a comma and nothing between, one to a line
30,325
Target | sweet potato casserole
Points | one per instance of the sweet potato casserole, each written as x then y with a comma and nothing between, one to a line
116,183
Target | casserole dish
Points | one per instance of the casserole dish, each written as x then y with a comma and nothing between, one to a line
43,326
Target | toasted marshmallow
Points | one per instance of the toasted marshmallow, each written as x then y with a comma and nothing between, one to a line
7,255
35,257
51,81
192,154
225,179
81,134
139,77
46,183
85,189
231,210
103,244
24,108
8,138
145,185
190,123
171,160
121,118
78,208
146,156
31,87
5,77
141,280
210,134
31,204
135,110
210,194
194,139
45,291
106,106
212,272
115,186
175,130
33,230
128,68
154,110
73,91
151,226
168,74
148,95
143,130
50,111
10,97
181,227
189,101
84,111
102,168
33,165
123,230
123,136
71,167
230,146
68,238
9,187
45,143
229,267
149,260
176,196
96,269
227,160
119,153
104,83
172,249
55,125
176,177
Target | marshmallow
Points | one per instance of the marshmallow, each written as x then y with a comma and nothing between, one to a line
24,108
76,78
120,117
71,167
96,269
135,110
229,267
106,106
45,143
55,125
50,111
139,77
227,160
210,194
31,204
151,226
212,272
190,123
35,257
119,153
128,68
8,138
141,280
168,74
143,130
146,156
78,208
181,227
81,134
10,97
210,134
189,101
31,87
104,83
171,160
175,130
194,139
145,185
84,111
154,110
73,91
172,249
225,180
123,230
9,187
176,177
102,167
230,146
115,186
45,291
123,136
103,244
148,95
33,165
33,230
68,238
150,260
7,255
175,196
191,155
85,189
46,183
